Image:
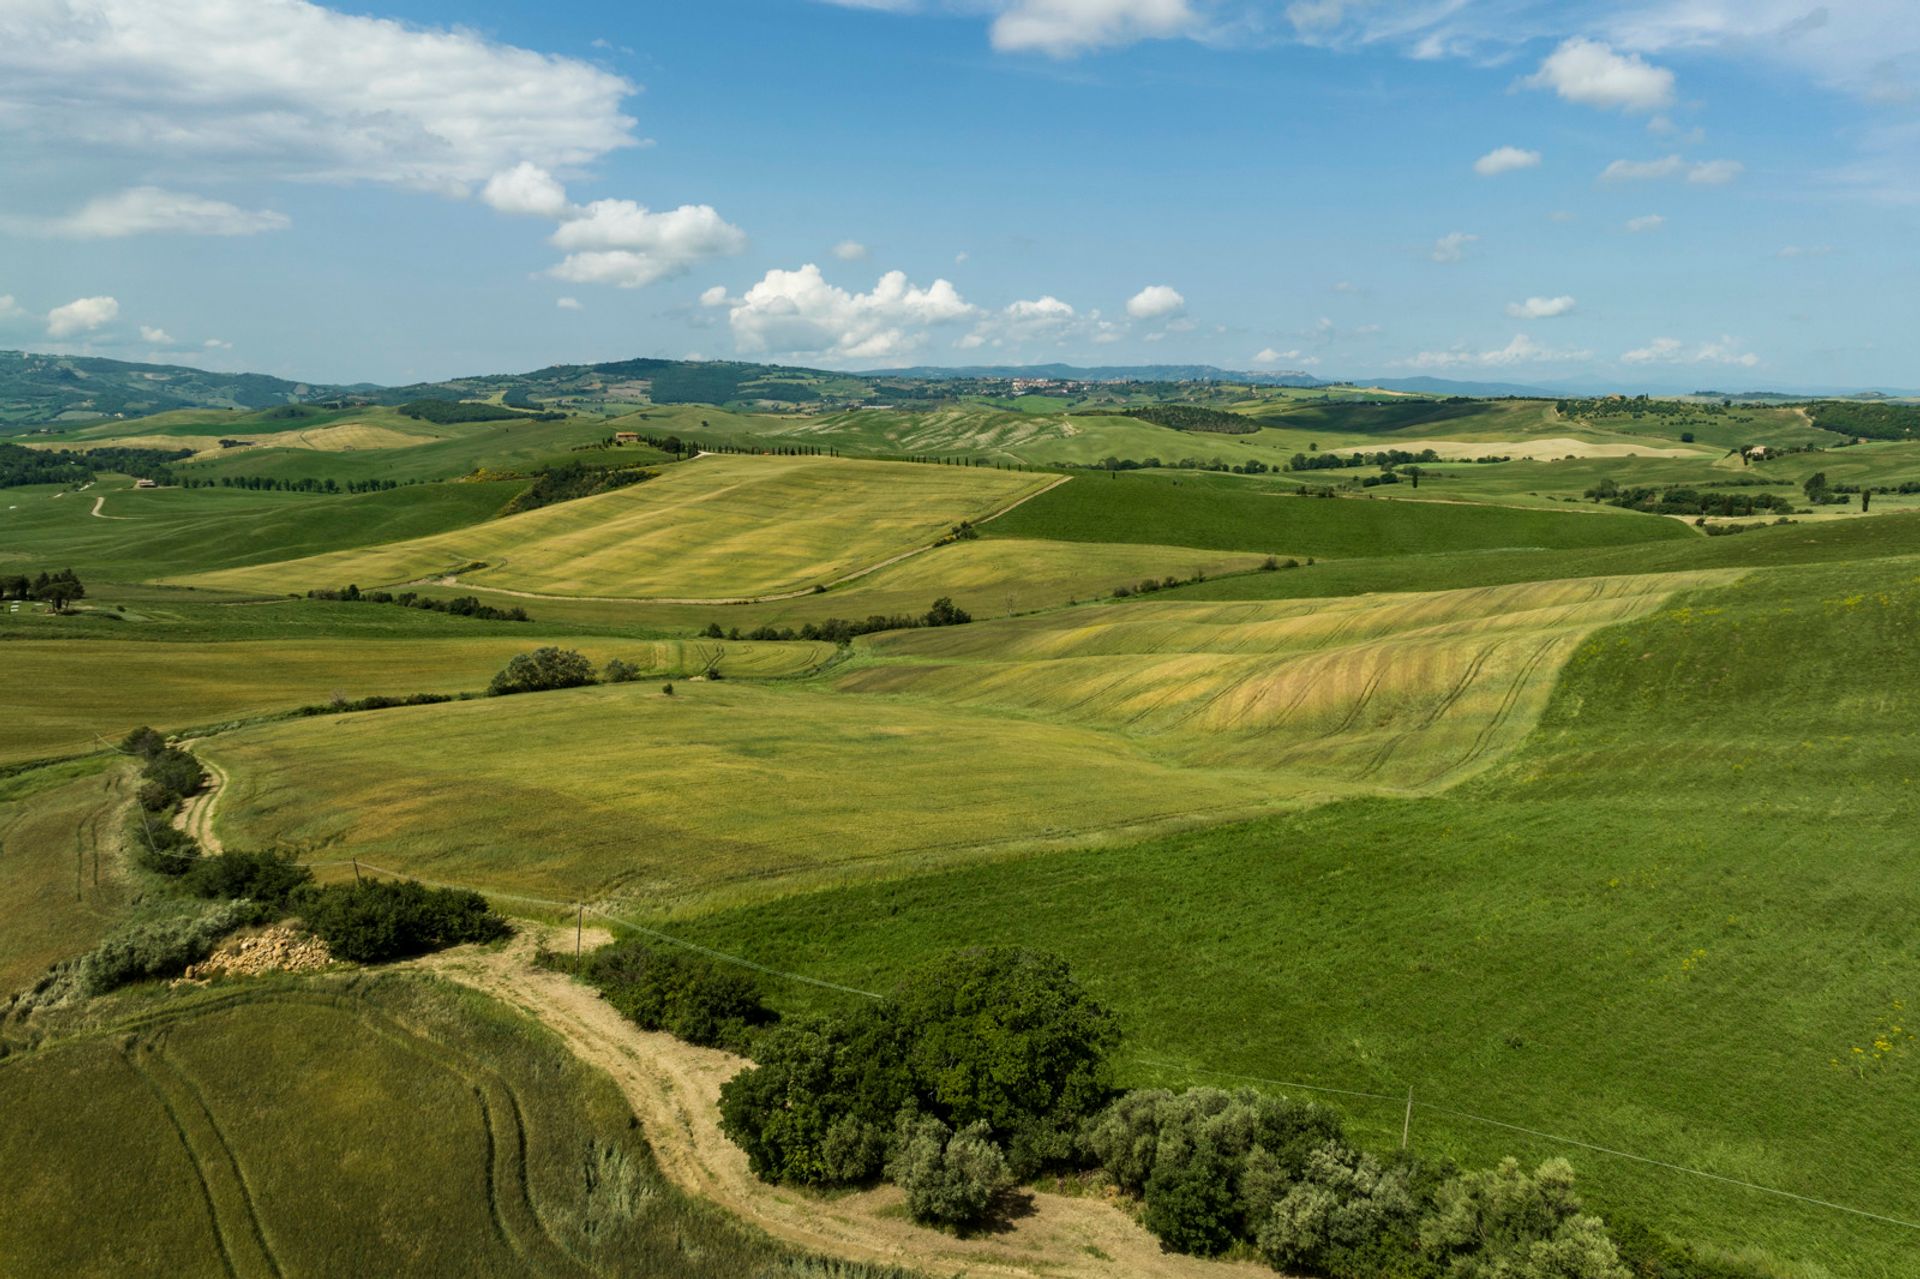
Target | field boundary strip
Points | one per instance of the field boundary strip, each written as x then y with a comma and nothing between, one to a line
1413,1104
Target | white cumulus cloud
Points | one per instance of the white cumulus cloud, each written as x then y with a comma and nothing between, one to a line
1725,350
1268,357
1063,28
1452,246
1715,173
1156,302
568,304
799,312
850,251
1642,170
626,244
1505,160
1521,350
526,189
10,309
1540,308
291,88
150,210
82,315
1591,73
1702,173
159,337
1646,222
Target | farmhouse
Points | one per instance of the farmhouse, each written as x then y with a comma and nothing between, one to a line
626,437
146,484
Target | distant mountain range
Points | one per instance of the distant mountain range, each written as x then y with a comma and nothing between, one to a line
39,389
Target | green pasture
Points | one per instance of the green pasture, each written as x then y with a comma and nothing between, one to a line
1230,513
390,1125
67,697
149,533
716,527
1677,922
61,882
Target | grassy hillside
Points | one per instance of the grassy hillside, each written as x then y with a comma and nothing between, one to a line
1230,514
61,885
717,527
203,1135
148,533
1397,692
65,697
1664,926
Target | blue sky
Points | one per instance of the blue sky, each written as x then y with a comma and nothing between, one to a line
1669,194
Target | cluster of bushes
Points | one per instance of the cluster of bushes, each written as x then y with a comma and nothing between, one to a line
341,705
458,606
686,995
1638,406
974,1072
167,776
20,465
1687,500
964,531
57,590
541,670
453,412
1729,530
838,630
1149,585
572,480
373,921
1274,563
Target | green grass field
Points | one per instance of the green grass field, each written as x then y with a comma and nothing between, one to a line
148,533
716,527
1664,925
1228,513
392,1125
61,884
73,697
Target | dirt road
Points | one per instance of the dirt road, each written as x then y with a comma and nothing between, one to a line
674,1089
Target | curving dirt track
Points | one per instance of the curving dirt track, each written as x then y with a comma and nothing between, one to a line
674,1089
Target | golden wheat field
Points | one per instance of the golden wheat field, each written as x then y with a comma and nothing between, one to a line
718,527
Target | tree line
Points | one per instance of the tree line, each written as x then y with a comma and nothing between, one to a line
458,606
839,630
20,465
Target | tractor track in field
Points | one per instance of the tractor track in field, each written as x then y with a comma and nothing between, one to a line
674,1089
451,579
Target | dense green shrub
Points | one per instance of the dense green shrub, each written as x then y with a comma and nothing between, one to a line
818,1105
171,775
542,669
618,671
688,996
1005,1036
1000,1037
144,742
1343,1206
951,1178
269,878
1505,1223
161,848
380,920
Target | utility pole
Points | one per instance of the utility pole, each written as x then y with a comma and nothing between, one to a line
356,870
1406,1127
